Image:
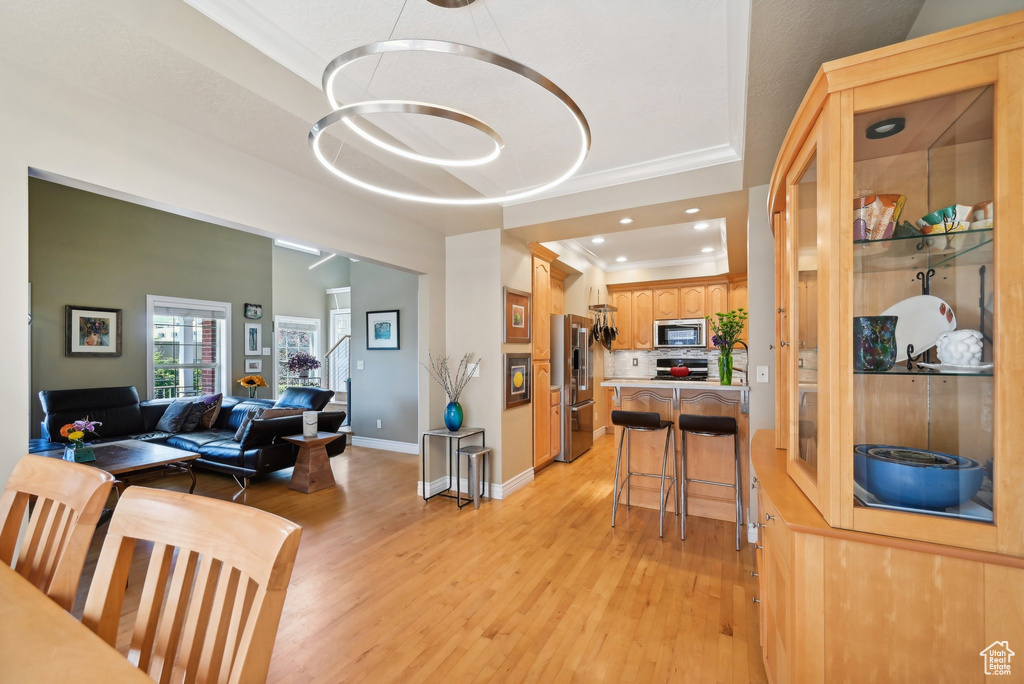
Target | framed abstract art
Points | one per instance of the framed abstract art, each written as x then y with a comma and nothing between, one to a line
92,331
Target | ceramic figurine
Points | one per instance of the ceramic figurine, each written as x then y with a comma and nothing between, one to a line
959,347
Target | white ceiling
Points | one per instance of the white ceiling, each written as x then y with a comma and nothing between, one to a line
672,245
668,63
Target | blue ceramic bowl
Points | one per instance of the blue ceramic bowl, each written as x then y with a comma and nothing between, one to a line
916,478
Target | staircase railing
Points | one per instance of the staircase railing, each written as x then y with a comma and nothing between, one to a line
337,371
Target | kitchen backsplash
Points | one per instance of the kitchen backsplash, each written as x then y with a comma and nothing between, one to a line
619,364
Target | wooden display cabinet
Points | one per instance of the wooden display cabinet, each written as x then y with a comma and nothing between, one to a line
940,121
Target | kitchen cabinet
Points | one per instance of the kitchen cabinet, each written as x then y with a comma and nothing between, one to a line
843,605
738,300
623,301
609,406
541,309
643,319
557,291
847,404
716,301
542,455
691,301
556,422
666,303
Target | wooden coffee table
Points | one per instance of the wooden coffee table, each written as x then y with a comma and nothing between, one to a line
135,460
312,469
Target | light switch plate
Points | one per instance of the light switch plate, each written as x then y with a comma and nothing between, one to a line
266,351
762,373
636,362
359,365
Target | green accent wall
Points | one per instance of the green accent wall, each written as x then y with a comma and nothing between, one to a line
90,250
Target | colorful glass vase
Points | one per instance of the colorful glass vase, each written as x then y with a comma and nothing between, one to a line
874,343
453,416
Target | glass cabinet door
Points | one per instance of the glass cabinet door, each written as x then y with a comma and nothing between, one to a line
808,464
923,314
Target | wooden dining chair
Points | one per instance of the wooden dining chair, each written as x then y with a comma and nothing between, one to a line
69,499
213,590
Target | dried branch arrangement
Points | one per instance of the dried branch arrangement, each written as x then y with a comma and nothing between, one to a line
440,370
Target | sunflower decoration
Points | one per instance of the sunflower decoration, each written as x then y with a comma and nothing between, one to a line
252,383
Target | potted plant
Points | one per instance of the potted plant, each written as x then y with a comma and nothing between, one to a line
440,371
78,451
302,363
252,383
726,331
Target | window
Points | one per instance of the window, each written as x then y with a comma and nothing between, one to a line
294,334
189,347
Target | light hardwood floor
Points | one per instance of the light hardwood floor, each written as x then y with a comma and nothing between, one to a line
535,588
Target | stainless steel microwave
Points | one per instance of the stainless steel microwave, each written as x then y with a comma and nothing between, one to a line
683,332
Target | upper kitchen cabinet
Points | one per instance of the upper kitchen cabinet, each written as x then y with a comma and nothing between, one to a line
897,203
643,319
666,303
623,319
738,300
691,301
716,301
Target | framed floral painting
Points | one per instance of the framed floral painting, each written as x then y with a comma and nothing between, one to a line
517,315
92,331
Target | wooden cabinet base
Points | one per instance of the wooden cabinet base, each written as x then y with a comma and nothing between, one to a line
841,605
312,468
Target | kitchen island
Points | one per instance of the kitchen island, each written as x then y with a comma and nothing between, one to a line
707,458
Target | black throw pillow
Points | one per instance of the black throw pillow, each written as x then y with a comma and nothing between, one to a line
180,414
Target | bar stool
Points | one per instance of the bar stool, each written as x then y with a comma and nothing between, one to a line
641,421
712,426
477,457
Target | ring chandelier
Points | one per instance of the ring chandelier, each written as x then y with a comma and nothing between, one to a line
346,113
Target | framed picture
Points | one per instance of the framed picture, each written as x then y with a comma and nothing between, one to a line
517,316
254,311
92,331
253,339
382,329
254,365
518,381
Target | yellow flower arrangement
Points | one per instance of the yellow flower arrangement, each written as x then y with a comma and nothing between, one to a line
252,382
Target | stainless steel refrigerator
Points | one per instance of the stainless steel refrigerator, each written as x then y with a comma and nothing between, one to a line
572,369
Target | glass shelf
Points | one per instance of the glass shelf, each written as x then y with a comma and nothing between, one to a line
901,369
921,252
979,508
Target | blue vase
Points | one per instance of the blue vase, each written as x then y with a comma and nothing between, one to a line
453,416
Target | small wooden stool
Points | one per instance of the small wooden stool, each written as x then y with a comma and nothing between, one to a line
477,457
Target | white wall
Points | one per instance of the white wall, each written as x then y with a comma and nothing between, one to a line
761,305
54,126
939,15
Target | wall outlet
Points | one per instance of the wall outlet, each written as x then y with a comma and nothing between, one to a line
359,365
378,424
474,370
762,373
636,362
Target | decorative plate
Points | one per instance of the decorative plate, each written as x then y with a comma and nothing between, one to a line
953,368
921,320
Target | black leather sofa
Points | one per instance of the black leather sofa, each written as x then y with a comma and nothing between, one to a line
124,416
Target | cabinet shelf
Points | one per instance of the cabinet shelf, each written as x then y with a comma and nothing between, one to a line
901,369
921,252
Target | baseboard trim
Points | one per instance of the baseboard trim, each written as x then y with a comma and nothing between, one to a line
599,432
497,491
386,445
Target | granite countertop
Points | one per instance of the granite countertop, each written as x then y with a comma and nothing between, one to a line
680,384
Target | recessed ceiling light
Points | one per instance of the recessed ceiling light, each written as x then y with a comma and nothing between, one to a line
693,210
701,226
621,259
708,250
597,240
625,221
885,128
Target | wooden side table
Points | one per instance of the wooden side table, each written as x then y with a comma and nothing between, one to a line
312,469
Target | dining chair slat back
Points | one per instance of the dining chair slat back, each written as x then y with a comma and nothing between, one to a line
213,590
63,501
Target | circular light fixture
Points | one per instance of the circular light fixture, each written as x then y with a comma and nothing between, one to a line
692,210
708,250
701,226
451,4
620,259
597,240
625,221
886,128
376,106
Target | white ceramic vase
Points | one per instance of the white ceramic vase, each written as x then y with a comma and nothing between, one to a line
959,347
